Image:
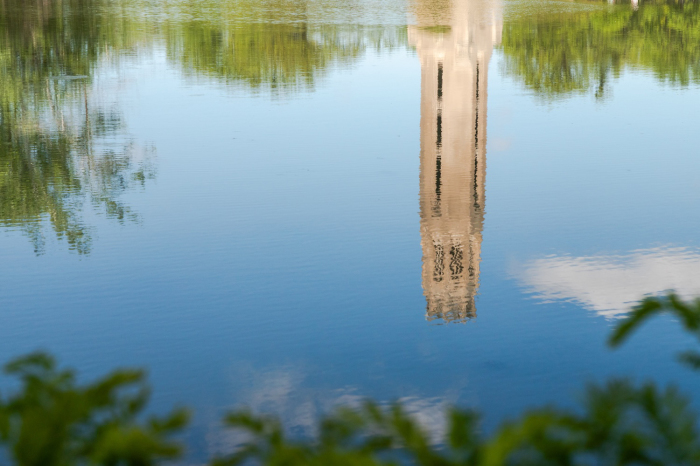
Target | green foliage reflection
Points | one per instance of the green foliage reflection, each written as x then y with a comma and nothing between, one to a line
53,155
274,56
558,54
278,45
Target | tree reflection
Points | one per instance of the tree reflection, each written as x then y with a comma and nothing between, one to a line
58,149
276,45
272,56
62,150
564,53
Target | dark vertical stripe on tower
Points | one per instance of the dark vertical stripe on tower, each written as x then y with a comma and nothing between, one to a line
438,159
476,143
438,142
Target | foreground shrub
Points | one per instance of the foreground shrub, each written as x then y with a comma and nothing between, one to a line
53,421
619,423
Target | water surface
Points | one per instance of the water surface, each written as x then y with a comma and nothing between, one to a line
295,205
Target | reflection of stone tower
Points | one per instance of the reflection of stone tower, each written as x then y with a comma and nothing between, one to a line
454,43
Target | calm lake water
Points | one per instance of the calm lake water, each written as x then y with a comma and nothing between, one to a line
292,205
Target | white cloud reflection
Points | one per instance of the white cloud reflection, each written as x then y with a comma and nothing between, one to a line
610,284
287,393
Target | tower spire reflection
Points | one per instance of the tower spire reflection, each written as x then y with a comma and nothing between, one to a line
454,42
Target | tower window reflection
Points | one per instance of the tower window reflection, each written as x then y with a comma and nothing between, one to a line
439,269
456,256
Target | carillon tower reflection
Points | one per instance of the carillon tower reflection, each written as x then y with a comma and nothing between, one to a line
454,42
